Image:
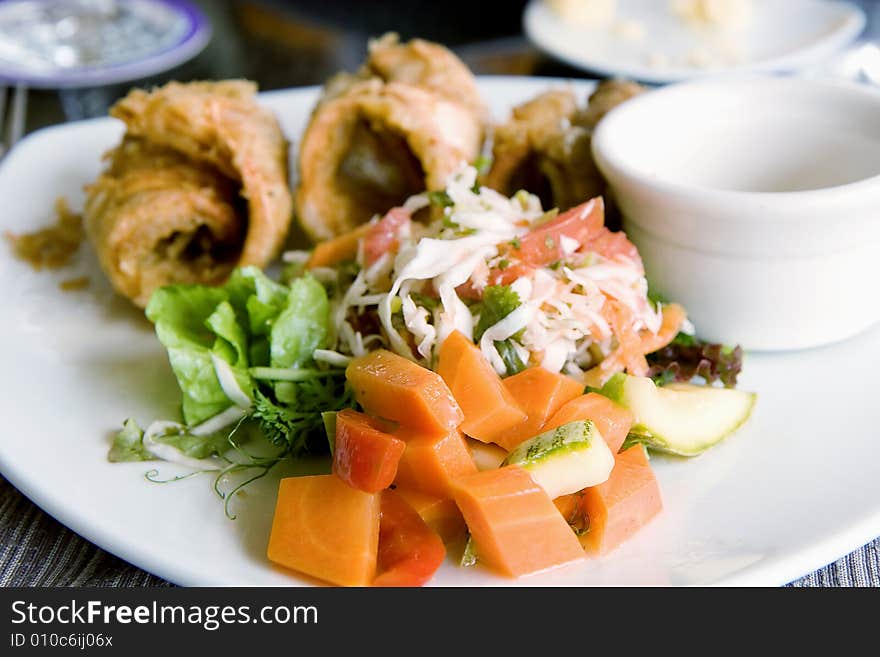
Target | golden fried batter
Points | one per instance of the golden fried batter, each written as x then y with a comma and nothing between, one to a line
545,147
156,217
220,123
396,128
198,185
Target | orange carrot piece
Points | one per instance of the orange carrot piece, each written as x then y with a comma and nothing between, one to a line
431,462
325,528
439,512
673,317
540,393
364,456
489,408
391,387
619,507
336,250
410,552
514,523
612,420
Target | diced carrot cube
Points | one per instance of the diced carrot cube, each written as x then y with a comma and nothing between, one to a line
335,250
391,387
440,513
612,420
325,528
489,409
431,462
619,507
540,393
514,523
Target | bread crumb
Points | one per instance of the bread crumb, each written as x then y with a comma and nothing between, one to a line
74,284
54,246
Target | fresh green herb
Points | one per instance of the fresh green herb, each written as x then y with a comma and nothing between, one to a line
498,302
440,199
503,264
556,265
423,300
299,428
482,164
515,243
509,355
685,340
329,418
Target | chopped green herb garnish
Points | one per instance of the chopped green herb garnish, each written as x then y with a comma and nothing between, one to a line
482,164
440,199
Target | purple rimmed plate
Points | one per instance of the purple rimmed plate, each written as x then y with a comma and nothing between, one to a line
86,43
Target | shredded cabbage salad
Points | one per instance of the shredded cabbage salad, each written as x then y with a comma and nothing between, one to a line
464,270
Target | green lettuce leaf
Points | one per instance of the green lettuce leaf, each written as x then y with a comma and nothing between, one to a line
302,326
180,314
197,447
128,444
257,298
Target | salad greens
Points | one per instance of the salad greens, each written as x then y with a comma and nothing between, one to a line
498,302
243,356
687,357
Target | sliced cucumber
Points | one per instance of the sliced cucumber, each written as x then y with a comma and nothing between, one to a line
680,418
486,456
566,459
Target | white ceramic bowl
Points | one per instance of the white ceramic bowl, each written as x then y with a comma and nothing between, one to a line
755,203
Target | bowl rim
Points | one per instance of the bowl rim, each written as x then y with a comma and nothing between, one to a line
608,158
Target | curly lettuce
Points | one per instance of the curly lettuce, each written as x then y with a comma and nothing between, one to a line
687,357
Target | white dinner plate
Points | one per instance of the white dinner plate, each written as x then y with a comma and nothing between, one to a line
647,42
796,488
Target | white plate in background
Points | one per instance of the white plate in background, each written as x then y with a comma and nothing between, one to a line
782,36
796,488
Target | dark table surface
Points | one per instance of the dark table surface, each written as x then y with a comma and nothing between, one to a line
285,44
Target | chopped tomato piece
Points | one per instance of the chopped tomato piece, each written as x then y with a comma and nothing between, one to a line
384,236
410,552
545,245
364,456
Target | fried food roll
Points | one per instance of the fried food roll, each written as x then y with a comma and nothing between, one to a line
393,130
156,217
198,186
545,147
